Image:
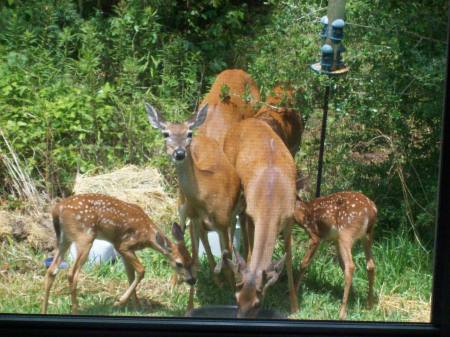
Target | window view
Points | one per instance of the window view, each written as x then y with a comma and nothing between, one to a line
226,159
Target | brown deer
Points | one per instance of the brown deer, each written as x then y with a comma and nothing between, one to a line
231,98
343,217
208,182
85,217
267,172
282,118
227,104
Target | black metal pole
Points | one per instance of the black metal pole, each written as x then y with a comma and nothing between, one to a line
322,139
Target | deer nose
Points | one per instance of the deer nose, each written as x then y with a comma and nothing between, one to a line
179,154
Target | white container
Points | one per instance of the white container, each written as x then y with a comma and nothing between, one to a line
214,242
102,251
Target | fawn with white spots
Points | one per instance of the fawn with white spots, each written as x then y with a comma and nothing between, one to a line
85,217
343,217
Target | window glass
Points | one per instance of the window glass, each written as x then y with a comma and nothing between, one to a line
138,135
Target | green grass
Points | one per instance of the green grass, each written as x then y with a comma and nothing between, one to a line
402,284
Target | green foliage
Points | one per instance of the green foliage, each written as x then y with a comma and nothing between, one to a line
73,81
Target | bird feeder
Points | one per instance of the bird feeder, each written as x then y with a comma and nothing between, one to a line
331,64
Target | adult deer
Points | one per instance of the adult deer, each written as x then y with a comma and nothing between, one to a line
208,182
231,98
82,218
343,217
282,118
267,173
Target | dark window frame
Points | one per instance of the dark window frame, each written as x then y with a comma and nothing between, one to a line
65,325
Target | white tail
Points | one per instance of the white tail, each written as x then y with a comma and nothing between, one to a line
343,217
83,218
267,173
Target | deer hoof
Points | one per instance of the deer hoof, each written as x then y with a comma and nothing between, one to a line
342,313
117,304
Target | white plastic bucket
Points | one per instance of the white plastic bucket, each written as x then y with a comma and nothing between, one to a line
102,251
214,242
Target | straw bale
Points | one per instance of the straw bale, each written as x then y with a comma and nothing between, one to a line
35,229
145,187
5,224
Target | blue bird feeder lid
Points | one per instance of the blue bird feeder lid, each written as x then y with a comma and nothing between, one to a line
339,23
326,49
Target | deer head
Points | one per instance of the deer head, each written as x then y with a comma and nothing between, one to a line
178,136
252,286
179,257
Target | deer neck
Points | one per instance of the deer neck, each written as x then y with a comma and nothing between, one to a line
186,175
264,244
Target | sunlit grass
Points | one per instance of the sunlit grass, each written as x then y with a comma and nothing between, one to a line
402,284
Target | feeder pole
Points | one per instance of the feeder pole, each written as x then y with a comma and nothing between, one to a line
331,64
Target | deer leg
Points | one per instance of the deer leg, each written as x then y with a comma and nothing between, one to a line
226,243
251,235
345,251
370,266
194,232
83,248
131,258
210,256
244,233
131,277
288,248
51,273
313,245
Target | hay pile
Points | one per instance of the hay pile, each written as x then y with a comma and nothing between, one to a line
145,187
35,229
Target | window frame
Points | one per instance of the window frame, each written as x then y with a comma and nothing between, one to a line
55,325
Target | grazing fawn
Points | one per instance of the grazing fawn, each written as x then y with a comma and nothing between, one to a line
343,217
267,172
85,217
208,182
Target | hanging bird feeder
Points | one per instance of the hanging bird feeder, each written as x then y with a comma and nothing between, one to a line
331,64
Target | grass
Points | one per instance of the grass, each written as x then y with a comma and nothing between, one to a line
402,285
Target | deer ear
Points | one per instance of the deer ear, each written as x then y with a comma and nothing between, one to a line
154,117
200,118
162,242
177,232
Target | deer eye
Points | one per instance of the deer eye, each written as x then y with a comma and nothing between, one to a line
189,134
179,264
165,134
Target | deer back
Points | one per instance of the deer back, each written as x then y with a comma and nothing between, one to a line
103,216
226,104
284,120
329,216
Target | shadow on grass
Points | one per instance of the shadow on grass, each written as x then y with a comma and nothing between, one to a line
208,293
